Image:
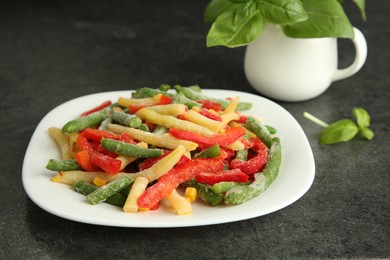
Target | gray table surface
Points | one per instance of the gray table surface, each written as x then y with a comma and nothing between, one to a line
54,51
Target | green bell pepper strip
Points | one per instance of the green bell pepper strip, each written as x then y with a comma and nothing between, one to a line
103,192
262,180
90,120
131,150
63,165
224,186
85,188
210,152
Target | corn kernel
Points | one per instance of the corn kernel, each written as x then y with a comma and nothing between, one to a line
99,181
190,194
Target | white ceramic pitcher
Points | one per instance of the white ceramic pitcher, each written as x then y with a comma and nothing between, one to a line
291,69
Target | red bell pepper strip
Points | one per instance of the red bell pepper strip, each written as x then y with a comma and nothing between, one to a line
97,108
169,181
100,149
208,114
125,137
225,175
242,119
84,160
254,164
257,144
164,100
209,104
147,163
229,137
83,142
97,134
108,164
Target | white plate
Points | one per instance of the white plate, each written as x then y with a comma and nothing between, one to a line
295,177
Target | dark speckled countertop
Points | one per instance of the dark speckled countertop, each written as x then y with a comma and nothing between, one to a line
54,51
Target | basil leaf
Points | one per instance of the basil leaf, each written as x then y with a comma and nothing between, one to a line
362,117
339,131
367,133
283,11
215,8
326,19
361,4
236,27
239,1
363,121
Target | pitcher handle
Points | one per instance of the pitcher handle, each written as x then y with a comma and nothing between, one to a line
361,54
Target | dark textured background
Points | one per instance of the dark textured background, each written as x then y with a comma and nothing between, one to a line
53,51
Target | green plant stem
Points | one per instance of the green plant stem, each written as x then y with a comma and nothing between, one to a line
315,119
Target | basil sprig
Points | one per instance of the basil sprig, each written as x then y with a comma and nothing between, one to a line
345,129
239,22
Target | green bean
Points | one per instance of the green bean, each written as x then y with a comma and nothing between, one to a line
144,127
127,149
180,98
259,130
63,165
210,152
86,121
194,95
148,92
164,87
104,124
160,130
241,194
85,188
103,192
126,119
206,193
271,129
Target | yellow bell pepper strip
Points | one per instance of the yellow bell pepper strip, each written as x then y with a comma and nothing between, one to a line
230,136
181,173
181,205
225,175
163,100
97,108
